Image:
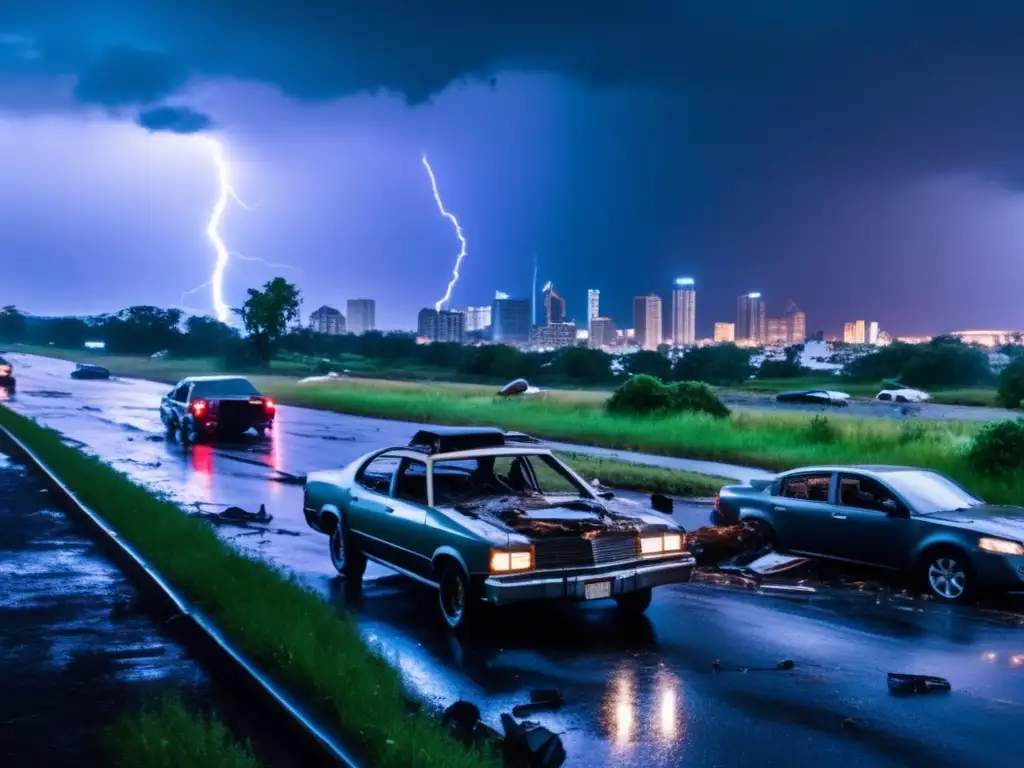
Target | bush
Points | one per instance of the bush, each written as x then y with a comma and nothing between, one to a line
1011,385
644,395
999,448
821,430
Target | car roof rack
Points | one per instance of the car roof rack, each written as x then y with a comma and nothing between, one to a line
451,439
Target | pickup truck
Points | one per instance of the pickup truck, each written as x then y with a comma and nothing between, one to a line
202,407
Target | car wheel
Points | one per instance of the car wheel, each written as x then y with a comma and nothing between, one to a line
170,428
948,575
346,559
634,603
762,531
900,399
261,432
453,597
187,432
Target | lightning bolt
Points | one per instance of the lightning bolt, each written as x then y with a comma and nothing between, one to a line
458,231
226,195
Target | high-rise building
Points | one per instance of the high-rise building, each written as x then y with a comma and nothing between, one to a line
684,312
873,333
750,318
725,332
593,306
796,324
553,335
510,320
477,318
647,322
602,332
442,325
859,331
327,320
850,333
554,306
776,331
362,315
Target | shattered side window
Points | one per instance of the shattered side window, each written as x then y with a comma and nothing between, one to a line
551,477
460,482
807,487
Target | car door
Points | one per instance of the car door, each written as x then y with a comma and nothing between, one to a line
403,527
800,512
173,404
869,523
370,504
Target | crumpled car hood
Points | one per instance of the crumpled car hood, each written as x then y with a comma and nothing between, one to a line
540,516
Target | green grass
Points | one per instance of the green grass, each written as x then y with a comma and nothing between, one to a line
288,630
168,735
640,477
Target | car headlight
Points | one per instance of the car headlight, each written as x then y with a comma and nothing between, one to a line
1001,546
656,545
509,560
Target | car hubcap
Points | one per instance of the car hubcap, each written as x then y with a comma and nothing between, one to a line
947,578
453,600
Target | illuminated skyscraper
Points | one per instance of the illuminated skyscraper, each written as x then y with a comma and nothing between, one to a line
362,315
725,332
850,333
443,325
750,318
859,332
873,333
602,332
554,306
684,312
510,319
593,306
796,324
478,318
647,323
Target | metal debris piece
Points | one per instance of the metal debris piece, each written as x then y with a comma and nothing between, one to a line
773,562
531,745
516,387
540,699
785,664
901,684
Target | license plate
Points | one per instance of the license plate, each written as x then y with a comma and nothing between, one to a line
255,401
596,590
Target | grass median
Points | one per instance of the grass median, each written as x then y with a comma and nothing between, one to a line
168,735
289,631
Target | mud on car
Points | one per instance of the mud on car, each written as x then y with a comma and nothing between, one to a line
485,516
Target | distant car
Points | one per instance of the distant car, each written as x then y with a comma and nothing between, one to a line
487,516
202,407
814,397
7,379
89,371
912,520
904,395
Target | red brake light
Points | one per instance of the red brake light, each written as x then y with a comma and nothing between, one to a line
268,405
198,408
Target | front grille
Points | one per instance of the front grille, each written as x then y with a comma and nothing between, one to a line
577,552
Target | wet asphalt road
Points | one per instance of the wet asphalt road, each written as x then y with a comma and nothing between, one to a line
643,694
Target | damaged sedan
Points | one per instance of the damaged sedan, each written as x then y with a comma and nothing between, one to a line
486,516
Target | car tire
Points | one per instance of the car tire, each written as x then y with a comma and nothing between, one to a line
634,603
261,433
453,597
187,432
346,559
901,399
947,575
170,429
762,531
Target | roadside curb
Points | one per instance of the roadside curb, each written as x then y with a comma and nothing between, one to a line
315,741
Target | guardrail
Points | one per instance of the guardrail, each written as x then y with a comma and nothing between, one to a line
313,740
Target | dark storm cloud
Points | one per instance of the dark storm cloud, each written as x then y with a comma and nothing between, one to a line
854,83
174,120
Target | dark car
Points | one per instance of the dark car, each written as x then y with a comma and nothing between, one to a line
89,371
7,379
201,407
912,520
483,515
814,397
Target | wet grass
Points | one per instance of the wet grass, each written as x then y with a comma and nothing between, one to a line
774,441
641,477
168,735
288,630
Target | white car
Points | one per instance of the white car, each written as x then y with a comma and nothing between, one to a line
903,396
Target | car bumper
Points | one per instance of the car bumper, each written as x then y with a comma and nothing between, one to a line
1000,571
529,587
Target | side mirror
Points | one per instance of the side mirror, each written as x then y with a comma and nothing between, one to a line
661,503
891,507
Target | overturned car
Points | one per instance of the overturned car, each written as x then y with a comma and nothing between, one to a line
488,516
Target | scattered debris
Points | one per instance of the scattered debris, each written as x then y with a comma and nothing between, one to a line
531,745
46,393
784,665
148,464
540,699
235,515
516,387
800,589
773,562
901,684
286,478
462,720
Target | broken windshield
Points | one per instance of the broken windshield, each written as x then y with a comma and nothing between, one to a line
460,481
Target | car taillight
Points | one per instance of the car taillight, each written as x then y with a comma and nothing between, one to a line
268,405
718,503
199,408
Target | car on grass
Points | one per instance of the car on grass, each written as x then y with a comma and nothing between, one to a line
7,380
204,407
904,519
485,516
90,371
826,397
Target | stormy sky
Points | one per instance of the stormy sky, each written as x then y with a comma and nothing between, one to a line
864,158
